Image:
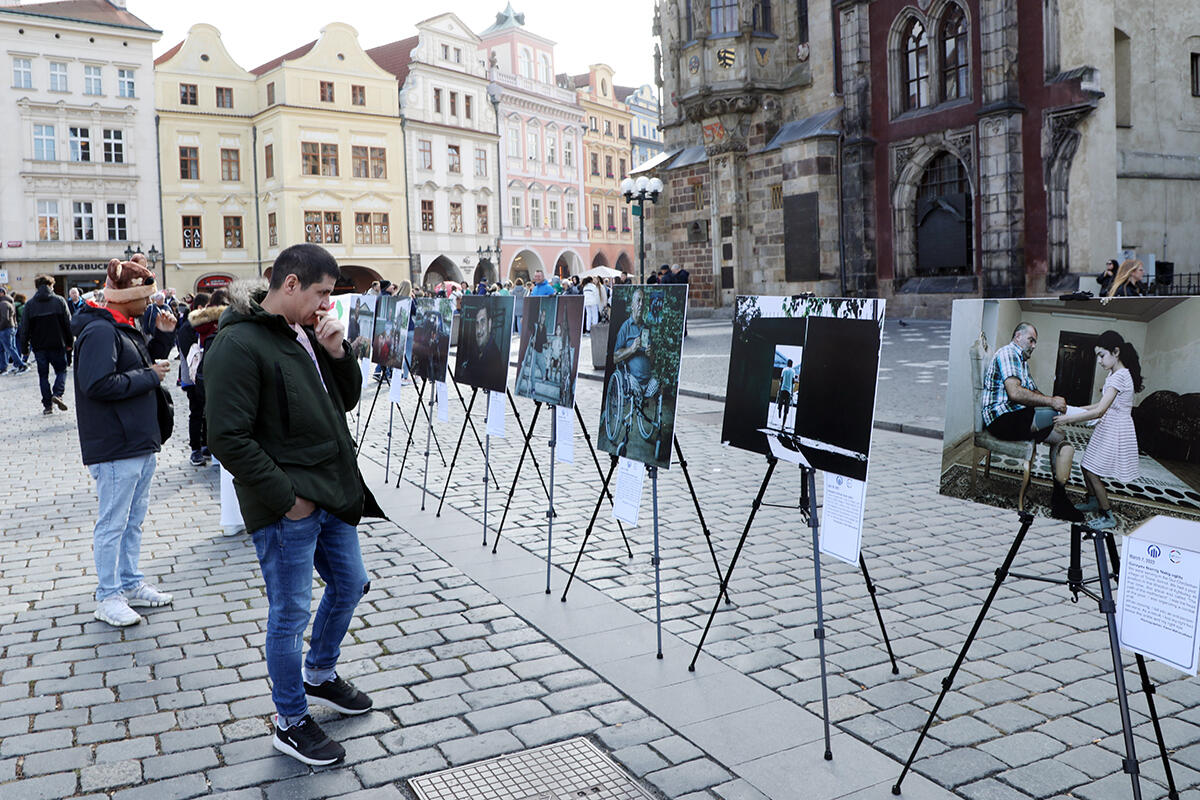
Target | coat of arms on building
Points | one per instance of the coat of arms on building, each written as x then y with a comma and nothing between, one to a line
802,52
714,133
762,55
726,56
694,64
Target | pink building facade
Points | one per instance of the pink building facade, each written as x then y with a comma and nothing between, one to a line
541,164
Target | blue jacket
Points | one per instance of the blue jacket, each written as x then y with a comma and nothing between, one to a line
115,404
543,289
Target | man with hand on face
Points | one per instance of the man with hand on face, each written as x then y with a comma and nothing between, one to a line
279,379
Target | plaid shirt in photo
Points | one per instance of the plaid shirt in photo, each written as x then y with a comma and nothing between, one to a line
1007,363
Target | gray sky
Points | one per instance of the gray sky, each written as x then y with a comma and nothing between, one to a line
255,31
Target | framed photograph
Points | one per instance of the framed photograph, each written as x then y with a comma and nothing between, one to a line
641,381
360,326
1078,409
391,330
802,375
548,361
484,342
432,317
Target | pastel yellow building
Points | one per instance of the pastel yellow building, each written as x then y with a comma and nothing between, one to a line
305,148
608,154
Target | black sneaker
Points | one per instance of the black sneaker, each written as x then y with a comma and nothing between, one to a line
47,410
197,459
338,695
306,742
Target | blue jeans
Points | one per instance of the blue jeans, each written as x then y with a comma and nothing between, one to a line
8,349
287,551
123,487
46,359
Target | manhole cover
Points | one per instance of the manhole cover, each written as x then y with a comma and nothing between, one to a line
570,770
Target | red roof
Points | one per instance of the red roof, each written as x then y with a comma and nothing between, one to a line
100,11
167,56
292,56
395,57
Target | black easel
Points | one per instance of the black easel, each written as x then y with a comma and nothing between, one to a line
428,435
1107,605
462,402
454,458
605,493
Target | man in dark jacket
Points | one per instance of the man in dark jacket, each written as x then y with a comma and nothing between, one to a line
8,336
279,378
46,330
117,410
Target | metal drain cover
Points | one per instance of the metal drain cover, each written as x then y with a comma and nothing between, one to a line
571,770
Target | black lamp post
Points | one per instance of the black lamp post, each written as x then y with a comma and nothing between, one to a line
639,192
152,257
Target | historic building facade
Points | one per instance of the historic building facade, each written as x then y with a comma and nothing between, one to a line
608,154
78,179
645,136
305,148
450,139
541,169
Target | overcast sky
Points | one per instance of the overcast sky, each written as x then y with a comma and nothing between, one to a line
614,32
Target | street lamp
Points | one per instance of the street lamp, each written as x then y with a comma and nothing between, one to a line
487,253
151,257
640,191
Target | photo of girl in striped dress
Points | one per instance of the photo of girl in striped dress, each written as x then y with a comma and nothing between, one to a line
1112,451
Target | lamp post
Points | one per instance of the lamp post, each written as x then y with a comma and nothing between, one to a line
486,253
639,192
152,257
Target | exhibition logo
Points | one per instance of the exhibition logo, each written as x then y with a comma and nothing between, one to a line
1176,556
1154,551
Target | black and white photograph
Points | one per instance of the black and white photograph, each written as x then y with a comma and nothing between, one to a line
1079,410
641,381
432,317
484,341
548,361
802,378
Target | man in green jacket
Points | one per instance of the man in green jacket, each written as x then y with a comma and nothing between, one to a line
279,379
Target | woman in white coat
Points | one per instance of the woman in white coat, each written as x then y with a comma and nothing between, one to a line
591,303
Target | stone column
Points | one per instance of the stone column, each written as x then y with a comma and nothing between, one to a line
859,264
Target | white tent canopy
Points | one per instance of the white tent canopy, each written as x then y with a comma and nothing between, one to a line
602,272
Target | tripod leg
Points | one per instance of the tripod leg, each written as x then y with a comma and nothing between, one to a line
819,634
1147,687
457,446
948,681
521,425
1108,608
537,408
412,429
687,476
474,430
771,462
862,565
591,524
587,437
363,436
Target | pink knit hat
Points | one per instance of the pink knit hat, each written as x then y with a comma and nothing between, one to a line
128,280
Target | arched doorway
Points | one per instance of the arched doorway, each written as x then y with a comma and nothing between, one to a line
523,265
624,263
355,279
441,270
599,259
568,263
943,219
485,271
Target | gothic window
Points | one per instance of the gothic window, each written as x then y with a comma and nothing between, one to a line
944,226
955,70
688,21
915,73
762,16
724,16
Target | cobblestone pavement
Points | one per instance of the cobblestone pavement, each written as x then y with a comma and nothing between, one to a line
179,706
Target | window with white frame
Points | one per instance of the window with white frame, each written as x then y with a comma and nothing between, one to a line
93,80
531,145
551,149
80,144
516,212
544,68
114,146
568,152
22,73
535,212
84,221
525,62
570,216
43,143
514,142
118,228
125,84
480,162
552,205
456,218
47,220
58,76
724,16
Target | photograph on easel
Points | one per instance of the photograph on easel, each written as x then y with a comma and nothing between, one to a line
391,331
484,342
548,361
1081,410
432,317
361,325
802,375
641,381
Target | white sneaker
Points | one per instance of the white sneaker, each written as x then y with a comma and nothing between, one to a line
146,596
115,611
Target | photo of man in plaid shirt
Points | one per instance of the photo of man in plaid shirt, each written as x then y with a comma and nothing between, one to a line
1014,410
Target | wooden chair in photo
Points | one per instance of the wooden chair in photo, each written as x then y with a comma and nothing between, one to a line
1024,452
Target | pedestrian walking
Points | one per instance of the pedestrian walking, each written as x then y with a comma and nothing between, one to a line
74,301
591,303
46,331
279,379
9,355
196,331
117,406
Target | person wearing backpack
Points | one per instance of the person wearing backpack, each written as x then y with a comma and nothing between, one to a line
192,337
